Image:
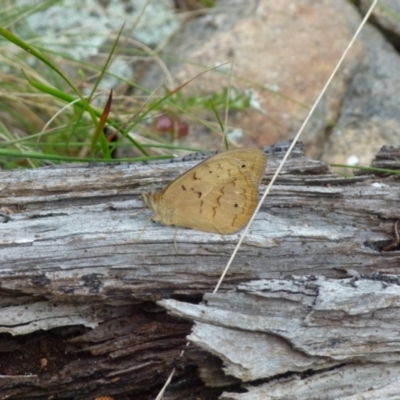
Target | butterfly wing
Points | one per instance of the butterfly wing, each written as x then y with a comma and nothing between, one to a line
218,195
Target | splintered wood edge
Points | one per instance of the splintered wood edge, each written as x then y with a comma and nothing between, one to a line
368,381
297,324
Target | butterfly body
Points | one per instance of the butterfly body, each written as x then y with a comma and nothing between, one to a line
218,195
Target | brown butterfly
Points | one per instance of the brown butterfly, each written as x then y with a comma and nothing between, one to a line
218,195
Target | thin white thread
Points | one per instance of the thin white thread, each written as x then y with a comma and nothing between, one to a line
160,394
168,381
296,138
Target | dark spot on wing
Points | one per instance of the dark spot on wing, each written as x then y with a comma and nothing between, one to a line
233,221
183,187
199,194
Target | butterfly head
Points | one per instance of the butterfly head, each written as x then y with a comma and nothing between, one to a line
153,200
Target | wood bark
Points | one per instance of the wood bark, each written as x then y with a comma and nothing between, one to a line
310,292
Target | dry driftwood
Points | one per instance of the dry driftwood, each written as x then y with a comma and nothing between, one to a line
74,254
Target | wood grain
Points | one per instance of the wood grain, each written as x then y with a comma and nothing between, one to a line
73,253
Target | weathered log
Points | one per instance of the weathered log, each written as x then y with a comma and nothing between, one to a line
75,252
267,328
75,232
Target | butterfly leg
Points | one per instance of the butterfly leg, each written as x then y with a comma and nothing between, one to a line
396,242
175,235
142,231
